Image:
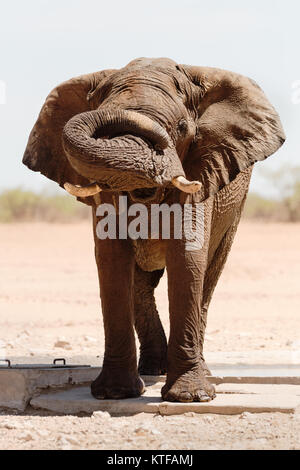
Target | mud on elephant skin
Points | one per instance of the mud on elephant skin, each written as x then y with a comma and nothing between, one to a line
157,131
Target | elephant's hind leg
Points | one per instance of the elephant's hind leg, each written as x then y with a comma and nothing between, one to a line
153,343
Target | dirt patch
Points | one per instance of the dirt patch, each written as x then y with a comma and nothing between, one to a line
49,305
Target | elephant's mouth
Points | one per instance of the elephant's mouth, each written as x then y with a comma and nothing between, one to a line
146,195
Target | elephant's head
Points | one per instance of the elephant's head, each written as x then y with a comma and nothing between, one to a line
151,125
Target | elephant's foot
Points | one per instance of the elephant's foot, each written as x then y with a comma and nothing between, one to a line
151,363
189,387
116,384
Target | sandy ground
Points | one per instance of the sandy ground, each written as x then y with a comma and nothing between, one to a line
49,306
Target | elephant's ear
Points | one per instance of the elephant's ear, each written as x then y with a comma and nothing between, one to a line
236,126
44,151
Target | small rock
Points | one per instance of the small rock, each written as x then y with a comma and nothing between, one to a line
26,437
247,415
11,426
143,431
190,414
90,339
63,345
155,432
101,415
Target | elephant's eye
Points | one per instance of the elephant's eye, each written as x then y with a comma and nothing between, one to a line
182,127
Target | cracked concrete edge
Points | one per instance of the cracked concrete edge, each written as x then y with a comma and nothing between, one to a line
24,384
51,378
15,393
170,409
258,389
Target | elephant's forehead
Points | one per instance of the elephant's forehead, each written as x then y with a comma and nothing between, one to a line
143,78
150,61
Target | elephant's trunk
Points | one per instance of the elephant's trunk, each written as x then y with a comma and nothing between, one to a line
107,145
109,122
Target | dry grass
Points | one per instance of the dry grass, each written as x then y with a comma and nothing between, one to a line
18,205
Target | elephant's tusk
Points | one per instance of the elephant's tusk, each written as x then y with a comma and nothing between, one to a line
82,191
185,185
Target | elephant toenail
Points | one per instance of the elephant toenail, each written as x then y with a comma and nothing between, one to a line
204,398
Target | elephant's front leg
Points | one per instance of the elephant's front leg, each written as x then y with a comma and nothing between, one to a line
119,377
186,267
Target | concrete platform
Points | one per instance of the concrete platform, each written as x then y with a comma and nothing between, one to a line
79,400
18,385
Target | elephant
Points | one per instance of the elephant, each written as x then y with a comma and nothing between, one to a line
157,132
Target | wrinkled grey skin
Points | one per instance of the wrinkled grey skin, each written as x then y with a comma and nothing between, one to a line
134,131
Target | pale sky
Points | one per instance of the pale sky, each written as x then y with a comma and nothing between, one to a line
45,42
